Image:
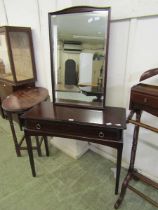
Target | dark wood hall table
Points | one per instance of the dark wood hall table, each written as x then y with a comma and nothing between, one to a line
103,127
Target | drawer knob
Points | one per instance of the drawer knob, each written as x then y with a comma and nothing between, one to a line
38,126
101,134
145,100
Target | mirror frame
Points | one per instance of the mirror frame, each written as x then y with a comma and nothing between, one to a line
73,10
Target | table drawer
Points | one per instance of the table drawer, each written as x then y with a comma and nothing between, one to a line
76,130
142,99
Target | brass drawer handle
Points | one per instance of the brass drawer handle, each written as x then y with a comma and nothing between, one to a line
38,126
145,100
101,134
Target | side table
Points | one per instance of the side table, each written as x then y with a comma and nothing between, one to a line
18,103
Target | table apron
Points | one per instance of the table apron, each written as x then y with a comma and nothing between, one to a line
116,143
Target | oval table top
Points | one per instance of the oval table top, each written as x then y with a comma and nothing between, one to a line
24,99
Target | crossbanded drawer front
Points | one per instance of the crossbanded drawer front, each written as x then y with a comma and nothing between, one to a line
145,100
87,131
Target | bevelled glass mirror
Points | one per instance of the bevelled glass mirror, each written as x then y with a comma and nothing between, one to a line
79,39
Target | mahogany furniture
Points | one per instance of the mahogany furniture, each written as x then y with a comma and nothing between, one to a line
17,64
98,126
143,98
7,89
72,117
1,110
16,104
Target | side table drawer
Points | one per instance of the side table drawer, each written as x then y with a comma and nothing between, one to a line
147,100
76,130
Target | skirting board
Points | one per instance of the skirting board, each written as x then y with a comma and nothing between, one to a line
124,164
76,155
70,151
106,155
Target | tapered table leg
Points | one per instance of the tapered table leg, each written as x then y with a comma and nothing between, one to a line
38,146
119,157
30,153
17,147
46,145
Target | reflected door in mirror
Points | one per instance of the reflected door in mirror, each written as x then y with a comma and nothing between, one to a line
79,46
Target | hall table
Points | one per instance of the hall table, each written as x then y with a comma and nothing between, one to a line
103,127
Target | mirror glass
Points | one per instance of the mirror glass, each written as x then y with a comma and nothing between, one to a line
79,44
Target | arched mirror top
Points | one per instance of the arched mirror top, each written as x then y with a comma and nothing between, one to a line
79,39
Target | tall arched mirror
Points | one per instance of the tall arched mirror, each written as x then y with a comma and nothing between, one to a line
79,50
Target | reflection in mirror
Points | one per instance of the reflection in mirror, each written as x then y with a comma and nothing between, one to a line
79,43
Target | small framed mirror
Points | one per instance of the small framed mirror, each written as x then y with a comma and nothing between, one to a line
79,39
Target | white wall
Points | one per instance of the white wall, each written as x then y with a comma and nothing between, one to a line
133,49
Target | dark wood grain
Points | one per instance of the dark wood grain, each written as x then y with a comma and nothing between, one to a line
98,126
149,73
144,97
16,104
24,99
7,89
48,111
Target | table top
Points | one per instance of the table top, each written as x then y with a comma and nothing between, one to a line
112,117
24,99
146,89
67,88
91,90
